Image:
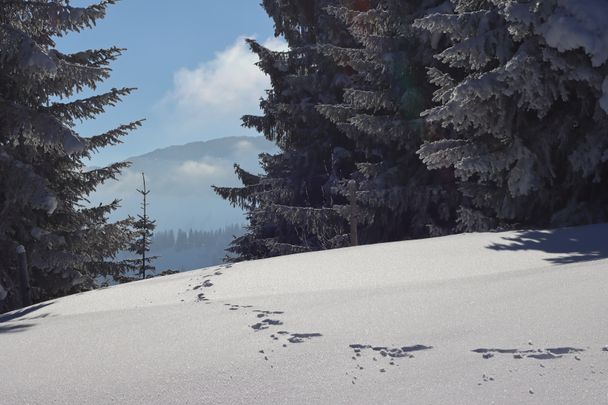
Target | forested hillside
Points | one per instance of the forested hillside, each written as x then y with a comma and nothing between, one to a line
187,239
180,250
183,250
448,116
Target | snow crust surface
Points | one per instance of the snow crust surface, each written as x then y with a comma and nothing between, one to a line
501,318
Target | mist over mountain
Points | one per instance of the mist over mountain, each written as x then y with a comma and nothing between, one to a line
180,178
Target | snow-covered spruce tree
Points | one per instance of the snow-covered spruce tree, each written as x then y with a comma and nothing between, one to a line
143,232
290,207
44,183
398,197
524,88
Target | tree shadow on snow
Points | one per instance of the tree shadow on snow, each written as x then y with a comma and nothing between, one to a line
20,316
577,244
15,328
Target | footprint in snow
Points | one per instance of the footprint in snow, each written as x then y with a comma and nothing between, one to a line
301,337
207,283
262,313
538,354
382,357
283,337
265,324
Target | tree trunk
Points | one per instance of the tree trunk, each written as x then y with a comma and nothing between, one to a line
24,278
354,236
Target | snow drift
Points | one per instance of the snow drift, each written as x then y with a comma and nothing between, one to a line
503,318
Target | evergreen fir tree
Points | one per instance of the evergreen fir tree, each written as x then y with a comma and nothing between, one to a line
181,240
143,230
290,207
522,90
44,182
398,197
347,97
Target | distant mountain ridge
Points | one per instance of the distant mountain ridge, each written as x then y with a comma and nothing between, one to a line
220,147
180,178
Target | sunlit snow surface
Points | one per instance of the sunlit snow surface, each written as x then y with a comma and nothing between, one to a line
502,318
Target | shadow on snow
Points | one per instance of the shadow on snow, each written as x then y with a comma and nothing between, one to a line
577,244
21,315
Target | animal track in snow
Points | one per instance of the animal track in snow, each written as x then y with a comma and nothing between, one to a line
265,319
485,379
262,314
269,322
206,283
404,351
265,324
281,337
382,357
538,354
301,337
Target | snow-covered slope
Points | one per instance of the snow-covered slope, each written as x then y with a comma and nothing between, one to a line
501,318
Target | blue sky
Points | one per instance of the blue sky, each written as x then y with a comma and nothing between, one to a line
194,75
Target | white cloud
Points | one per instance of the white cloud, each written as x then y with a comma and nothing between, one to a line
227,83
244,147
128,181
195,169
